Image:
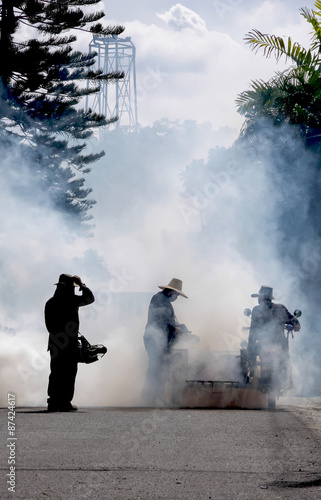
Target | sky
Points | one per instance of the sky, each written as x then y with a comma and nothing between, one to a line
191,64
192,60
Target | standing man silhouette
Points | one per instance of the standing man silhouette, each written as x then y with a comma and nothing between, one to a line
160,332
62,322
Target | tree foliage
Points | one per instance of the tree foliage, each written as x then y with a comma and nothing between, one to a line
293,95
42,81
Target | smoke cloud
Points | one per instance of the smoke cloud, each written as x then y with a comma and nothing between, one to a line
169,204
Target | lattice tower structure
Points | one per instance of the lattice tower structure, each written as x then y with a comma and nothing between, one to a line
119,99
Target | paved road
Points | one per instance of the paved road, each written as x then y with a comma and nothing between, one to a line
136,453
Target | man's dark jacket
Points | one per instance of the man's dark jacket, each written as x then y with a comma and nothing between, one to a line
62,318
267,325
161,315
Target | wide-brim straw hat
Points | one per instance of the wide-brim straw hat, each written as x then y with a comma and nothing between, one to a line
266,292
176,285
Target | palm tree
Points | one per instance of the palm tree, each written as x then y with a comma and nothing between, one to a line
293,95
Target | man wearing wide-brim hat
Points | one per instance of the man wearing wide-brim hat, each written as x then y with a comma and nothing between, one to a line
62,322
267,326
158,339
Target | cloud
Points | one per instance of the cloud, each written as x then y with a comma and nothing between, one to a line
191,69
180,18
192,75
274,17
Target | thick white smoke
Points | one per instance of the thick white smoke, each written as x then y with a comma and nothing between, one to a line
221,240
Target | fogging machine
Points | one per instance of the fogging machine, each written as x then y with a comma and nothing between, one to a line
88,353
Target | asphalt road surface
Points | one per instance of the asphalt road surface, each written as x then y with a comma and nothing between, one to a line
137,453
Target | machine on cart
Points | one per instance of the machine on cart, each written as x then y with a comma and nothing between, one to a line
203,392
229,384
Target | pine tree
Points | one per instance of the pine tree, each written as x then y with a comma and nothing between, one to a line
42,82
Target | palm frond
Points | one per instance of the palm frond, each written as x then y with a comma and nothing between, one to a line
310,16
261,95
275,44
294,94
317,5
